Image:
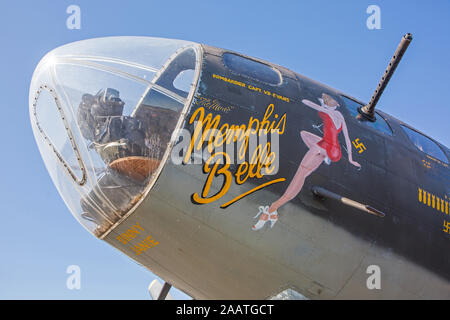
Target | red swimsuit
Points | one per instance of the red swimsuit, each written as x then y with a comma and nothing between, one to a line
330,141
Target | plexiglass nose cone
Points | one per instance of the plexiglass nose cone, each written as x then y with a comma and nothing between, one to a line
103,113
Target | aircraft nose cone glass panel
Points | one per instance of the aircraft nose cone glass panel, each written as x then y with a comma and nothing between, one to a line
103,112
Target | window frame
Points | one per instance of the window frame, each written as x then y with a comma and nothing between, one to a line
280,75
403,125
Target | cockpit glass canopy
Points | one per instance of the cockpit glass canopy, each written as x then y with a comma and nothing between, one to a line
425,144
103,112
252,69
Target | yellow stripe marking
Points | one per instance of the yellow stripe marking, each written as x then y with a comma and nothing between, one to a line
251,191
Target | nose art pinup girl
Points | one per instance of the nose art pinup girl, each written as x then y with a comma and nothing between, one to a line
322,149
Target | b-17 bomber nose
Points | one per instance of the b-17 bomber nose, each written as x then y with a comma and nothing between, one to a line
103,112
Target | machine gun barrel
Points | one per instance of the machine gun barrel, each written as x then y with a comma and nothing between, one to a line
368,111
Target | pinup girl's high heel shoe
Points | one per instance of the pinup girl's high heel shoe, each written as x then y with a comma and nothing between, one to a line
265,216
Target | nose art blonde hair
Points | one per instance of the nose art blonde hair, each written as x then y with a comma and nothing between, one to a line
329,101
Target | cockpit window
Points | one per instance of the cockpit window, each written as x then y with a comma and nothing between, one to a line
251,69
380,124
425,144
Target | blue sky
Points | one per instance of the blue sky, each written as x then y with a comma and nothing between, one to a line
325,40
